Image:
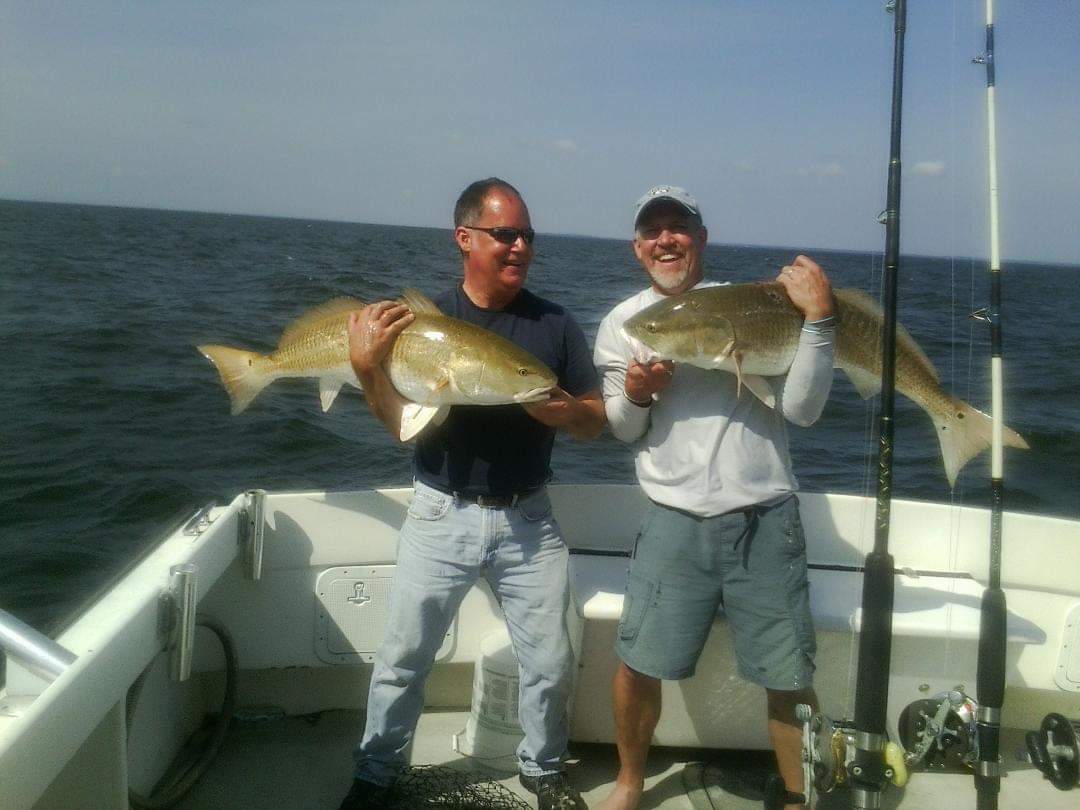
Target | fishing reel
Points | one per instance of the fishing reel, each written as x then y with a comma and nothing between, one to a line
938,733
828,754
1055,750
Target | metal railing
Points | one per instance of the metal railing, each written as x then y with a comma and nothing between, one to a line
34,650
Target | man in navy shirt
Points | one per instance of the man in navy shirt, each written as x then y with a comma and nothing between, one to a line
480,507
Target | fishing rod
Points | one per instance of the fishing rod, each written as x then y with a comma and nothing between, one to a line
860,753
990,677
868,769
953,731
1055,748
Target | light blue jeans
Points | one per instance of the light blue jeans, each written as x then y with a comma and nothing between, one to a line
445,545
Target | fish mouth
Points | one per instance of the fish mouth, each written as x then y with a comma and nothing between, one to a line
534,394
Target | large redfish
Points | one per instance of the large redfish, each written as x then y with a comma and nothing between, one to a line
437,361
752,330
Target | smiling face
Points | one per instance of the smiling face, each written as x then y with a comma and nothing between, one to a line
495,272
669,243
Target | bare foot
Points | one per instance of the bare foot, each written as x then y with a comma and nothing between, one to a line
623,797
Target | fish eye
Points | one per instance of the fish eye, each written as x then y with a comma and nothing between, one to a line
650,326
524,372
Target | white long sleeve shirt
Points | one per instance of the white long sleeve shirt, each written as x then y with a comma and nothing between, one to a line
700,448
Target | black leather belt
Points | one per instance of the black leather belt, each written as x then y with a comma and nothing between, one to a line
486,500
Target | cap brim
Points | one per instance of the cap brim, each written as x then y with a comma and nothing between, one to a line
655,200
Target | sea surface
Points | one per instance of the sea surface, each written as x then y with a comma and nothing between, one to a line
113,428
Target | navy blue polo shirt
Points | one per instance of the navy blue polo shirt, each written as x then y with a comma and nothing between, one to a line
500,449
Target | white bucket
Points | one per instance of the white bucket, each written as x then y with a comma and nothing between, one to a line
492,732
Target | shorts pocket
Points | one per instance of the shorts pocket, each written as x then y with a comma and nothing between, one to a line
636,600
794,537
429,507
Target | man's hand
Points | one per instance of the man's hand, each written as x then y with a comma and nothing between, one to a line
372,332
808,288
645,379
583,417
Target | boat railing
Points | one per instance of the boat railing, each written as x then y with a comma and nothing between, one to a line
33,649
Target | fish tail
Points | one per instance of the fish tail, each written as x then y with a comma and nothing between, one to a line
241,375
964,432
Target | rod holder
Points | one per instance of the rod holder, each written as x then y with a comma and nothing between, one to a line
34,650
183,594
252,523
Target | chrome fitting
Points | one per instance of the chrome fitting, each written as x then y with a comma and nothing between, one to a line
251,523
183,588
988,769
867,741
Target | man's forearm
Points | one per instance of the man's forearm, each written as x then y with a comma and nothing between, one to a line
588,420
383,399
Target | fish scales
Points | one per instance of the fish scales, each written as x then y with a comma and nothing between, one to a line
435,362
752,330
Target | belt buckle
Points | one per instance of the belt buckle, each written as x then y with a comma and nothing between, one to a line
495,501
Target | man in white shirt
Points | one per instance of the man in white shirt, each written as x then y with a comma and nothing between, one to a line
723,526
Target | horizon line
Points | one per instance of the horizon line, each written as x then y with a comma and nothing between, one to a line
1044,262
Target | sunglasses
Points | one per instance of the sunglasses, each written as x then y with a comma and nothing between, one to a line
506,236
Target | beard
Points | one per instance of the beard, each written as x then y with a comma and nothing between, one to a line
668,280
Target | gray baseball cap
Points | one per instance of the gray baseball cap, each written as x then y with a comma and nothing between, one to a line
658,193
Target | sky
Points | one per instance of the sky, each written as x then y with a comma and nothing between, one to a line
775,115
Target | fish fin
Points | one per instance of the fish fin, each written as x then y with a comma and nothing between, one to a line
328,391
417,302
728,359
867,383
415,417
439,384
239,374
760,388
756,385
964,432
316,315
735,360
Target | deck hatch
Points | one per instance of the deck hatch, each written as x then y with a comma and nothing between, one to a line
351,605
1067,673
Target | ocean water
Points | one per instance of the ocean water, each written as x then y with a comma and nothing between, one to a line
113,428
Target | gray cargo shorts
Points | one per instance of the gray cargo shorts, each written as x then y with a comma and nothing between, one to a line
751,563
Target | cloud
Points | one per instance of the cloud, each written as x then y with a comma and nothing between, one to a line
566,145
823,170
930,168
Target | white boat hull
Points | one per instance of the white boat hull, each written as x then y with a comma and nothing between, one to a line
64,744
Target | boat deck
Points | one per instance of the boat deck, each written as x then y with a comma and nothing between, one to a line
305,763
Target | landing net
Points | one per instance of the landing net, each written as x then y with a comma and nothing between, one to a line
436,786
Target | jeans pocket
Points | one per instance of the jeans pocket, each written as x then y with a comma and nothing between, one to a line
636,601
424,506
535,507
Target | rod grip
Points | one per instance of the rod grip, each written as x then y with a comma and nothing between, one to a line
875,644
992,636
